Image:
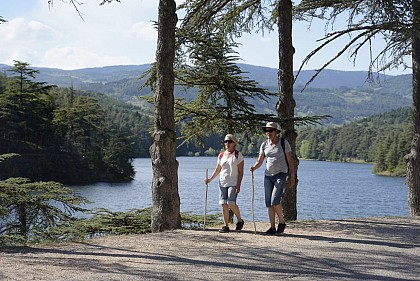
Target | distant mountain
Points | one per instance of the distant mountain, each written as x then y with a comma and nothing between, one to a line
78,77
328,78
345,95
267,76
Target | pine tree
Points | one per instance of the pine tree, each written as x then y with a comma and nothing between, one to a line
25,111
224,103
35,207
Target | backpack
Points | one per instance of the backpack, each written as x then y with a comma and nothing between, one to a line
223,152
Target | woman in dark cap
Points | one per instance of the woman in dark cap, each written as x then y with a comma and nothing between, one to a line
279,164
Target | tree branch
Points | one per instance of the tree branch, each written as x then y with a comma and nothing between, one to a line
366,31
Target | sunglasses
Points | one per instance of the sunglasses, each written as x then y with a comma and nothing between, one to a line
268,130
228,141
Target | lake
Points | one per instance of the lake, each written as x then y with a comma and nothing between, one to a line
326,190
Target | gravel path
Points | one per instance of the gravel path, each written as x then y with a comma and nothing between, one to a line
352,249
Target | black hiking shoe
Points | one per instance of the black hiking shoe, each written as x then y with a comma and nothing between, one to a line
224,229
280,228
270,231
240,225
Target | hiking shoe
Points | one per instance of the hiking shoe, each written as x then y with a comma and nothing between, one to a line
224,229
270,231
240,225
280,228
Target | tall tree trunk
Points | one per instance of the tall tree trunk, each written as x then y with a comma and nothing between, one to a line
286,104
23,220
413,165
165,196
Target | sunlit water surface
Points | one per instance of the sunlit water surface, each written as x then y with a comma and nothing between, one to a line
326,190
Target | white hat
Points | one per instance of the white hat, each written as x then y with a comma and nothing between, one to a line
231,137
272,125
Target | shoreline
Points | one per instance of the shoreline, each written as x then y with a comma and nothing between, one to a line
386,248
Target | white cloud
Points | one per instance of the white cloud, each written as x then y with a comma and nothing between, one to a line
73,58
266,39
144,30
123,33
24,40
22,31
116,33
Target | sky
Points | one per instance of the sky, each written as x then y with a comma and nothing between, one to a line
123,34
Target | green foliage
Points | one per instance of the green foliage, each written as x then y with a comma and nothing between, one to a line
231,18
105,222
25,109
224,103
193,221
44,211
304,148
344,95
226,99
382,139
31,209
66,135
4,157
391,152
210,152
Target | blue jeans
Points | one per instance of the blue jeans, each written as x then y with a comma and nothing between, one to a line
274,186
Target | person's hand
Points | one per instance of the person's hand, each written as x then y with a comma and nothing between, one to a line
252,168
238,189
207,181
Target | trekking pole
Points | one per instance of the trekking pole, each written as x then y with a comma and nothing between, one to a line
253,212
205,200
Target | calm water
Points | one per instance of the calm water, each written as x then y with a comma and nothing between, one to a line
326,190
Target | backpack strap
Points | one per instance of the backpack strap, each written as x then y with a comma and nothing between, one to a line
283,146
263,146
284,152
223,152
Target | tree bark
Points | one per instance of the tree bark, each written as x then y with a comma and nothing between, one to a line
165,196
286,103
413,164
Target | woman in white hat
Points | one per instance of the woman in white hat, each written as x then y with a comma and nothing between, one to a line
279,165
230,166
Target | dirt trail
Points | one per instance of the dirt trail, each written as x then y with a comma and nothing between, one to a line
353,249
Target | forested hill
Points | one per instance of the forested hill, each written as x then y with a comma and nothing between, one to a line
328,79
382,139
345,95
65,135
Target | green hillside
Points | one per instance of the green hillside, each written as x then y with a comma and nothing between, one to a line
344,95
67,135
382,139
370,122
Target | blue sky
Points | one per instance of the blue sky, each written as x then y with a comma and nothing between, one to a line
122,34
